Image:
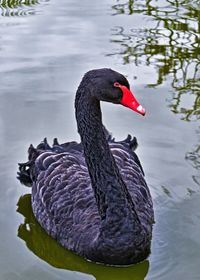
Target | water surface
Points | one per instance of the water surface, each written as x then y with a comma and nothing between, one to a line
46,46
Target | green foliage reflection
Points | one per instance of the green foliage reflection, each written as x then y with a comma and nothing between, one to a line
18,7
170,42
50,251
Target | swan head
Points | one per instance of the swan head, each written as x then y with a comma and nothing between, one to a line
110,86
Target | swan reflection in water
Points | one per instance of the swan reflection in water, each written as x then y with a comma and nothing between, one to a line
49,250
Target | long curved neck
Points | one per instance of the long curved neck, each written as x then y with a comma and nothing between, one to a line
113,199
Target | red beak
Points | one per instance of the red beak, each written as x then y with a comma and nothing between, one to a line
129,100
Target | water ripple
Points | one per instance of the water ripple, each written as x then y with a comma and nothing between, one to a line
168,41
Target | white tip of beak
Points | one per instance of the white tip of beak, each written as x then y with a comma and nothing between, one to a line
141,110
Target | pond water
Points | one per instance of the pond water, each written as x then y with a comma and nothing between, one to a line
46,47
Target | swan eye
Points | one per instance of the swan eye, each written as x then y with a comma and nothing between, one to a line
116,84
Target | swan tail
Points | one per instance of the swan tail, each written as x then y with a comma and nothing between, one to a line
24,174
27,171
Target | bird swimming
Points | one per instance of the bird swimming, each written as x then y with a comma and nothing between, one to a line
92,196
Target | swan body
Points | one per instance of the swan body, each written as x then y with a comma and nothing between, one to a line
92,196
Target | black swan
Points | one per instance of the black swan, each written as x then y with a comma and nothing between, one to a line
92,197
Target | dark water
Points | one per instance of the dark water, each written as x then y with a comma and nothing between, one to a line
45,47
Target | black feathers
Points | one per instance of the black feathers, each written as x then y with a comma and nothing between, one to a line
92,197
